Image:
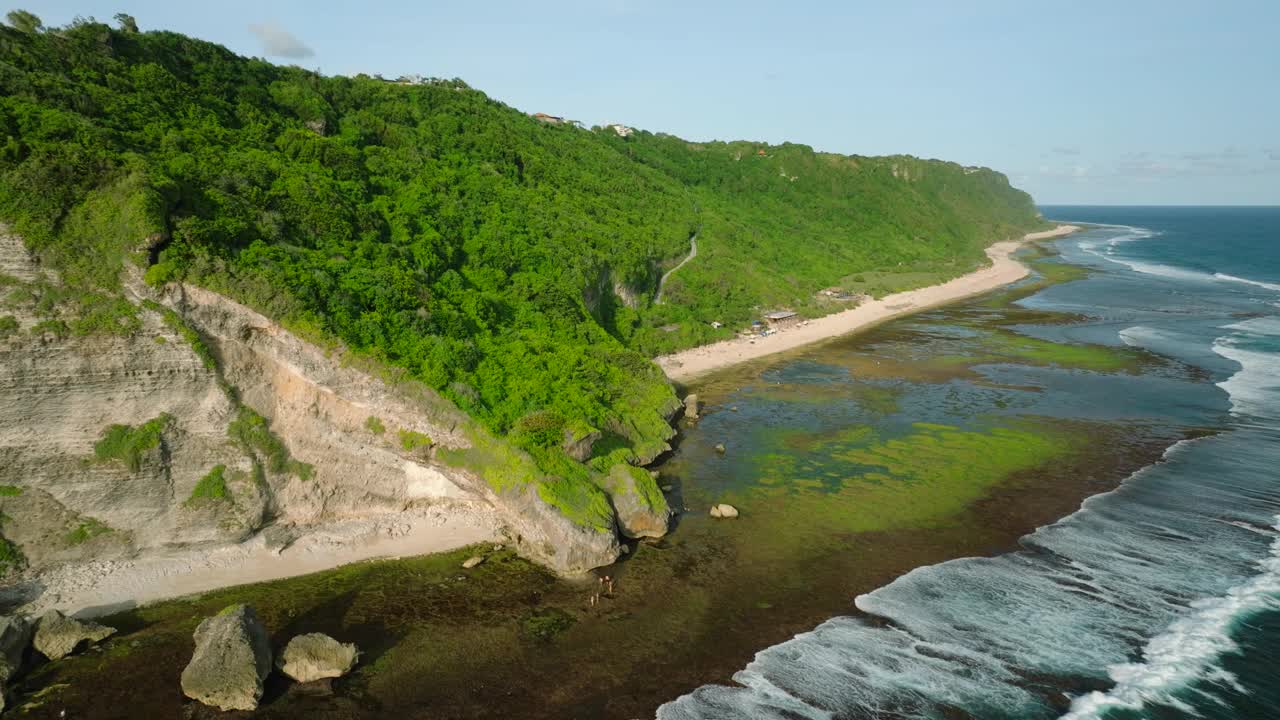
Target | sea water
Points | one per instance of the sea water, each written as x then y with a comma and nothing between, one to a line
1160,599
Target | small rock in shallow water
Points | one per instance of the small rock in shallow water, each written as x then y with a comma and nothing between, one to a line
724,511
720,448
472,562
668,488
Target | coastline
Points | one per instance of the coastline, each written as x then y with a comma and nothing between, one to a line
694,362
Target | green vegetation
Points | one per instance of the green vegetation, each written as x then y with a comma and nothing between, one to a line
410,440
11,557
128,444
251,432
10,491
543,624
186,332
212,486
431,228
374,425
8,325
86,530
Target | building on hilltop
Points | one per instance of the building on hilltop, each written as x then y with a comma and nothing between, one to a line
620,129
552,119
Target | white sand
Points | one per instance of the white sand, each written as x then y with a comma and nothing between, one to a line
688,364
101,587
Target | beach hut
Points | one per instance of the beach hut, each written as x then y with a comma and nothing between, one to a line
781,318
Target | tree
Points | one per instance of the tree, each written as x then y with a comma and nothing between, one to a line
24,21
127,23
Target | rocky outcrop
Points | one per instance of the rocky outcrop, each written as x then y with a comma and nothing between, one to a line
568,546
691,406
231,660
316,656
57,635
641,507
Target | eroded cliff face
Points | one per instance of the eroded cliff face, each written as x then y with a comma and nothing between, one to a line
325,443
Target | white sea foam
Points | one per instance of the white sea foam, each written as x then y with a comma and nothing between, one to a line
1247,281
1188,650
1255,388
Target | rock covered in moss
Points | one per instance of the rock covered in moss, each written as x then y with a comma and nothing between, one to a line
232,658
579,442
57,635
641,507
316,656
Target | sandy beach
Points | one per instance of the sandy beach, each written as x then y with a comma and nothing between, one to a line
691,363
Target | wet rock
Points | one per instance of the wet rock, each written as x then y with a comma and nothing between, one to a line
691,406
316,656
57,635
724,511
232,658
668,488
472,561
720,448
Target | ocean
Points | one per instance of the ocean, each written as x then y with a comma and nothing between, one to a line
1158,599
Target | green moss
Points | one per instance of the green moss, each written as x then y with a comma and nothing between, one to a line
10,491
580,501
212,486
86,530
374,425
8,325
128,444
503,467
543,624
410,440
630,479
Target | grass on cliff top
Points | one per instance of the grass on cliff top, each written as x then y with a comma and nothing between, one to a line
128,444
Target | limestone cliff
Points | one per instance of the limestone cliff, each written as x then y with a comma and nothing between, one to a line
209,424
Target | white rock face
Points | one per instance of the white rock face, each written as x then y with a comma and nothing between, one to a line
230,662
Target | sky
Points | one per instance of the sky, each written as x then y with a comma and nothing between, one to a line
1084,102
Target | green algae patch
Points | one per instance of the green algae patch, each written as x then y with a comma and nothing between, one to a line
1001,345
916,480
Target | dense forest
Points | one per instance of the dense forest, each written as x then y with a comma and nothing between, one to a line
508,262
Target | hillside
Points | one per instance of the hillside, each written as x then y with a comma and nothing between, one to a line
507,263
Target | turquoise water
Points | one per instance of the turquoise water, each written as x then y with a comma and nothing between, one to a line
1160,599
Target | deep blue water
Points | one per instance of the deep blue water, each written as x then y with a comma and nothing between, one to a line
1160,599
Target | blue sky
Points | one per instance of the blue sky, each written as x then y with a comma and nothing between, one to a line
1118,102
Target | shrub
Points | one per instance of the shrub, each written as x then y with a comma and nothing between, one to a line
410,440
128,444
212,486
374,425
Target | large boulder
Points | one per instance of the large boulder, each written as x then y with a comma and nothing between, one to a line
57,635
232,658
641,507
316,656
